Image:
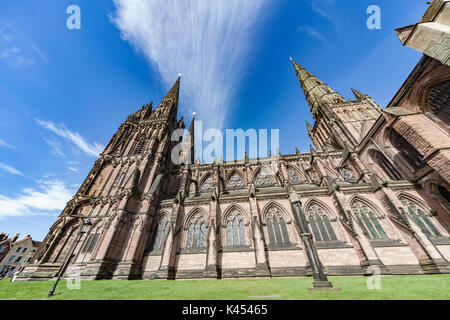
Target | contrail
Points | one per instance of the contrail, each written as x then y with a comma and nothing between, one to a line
208,41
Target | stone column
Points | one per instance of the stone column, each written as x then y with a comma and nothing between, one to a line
262,270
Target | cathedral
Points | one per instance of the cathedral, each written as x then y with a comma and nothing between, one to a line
372,194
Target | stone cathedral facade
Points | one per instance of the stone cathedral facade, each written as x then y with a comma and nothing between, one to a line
374,190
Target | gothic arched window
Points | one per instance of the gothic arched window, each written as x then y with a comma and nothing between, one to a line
276,228
293,176
91,243
347,173
235,182
385,165
207,184
140,146
122,176
235,234
421,218
159,237
439,100
314,177
320,224
264,178
368,221
196,232
407,150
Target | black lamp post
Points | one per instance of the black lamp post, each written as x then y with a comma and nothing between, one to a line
84,228
321,282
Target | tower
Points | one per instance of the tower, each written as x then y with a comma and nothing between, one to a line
337,120
120,196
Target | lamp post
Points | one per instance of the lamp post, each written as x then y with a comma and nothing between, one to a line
320,282
84,228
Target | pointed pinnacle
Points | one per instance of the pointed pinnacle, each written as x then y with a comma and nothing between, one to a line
359,95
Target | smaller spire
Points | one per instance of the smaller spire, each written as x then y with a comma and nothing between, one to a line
310,128
359,95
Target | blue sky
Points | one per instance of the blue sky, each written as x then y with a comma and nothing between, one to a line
63,93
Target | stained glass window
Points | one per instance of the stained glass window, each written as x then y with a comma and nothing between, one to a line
320,224
140,146
407,150
347,174
314,177
386,165
276,228
235,229
421,218
368,221
293,176
196,232
159,236
207,185
264,178
235,182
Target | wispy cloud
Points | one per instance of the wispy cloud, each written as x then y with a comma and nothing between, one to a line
75,138
207,41
10,49
3,143
49,198
18,51
56,148
73,169
322,6
10,170
327,9
312,32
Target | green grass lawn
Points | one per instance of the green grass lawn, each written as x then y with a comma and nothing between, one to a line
392,287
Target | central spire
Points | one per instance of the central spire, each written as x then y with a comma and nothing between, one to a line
316,91
169,104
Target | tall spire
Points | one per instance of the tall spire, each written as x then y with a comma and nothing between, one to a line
316,92
170,101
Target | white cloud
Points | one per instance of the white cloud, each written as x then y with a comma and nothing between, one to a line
312,32
49,198
328,10
209,42
3,143
74,137
10,170
18,51
73,169
56,148
10,49
322,7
